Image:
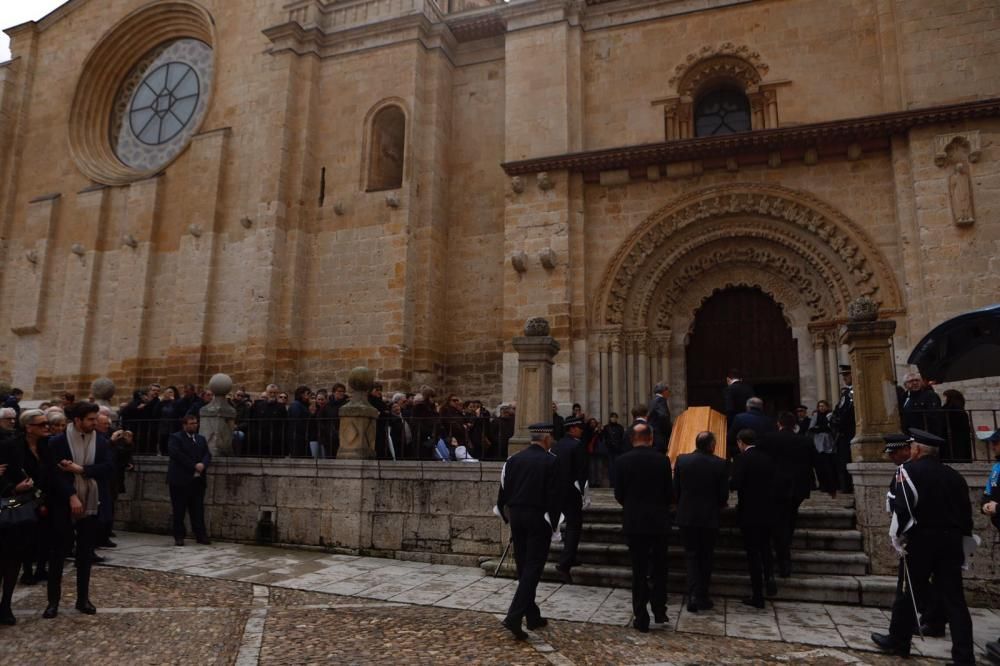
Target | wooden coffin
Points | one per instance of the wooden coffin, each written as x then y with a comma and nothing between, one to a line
687,426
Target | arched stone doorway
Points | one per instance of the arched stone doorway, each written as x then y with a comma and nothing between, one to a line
742,327
805,255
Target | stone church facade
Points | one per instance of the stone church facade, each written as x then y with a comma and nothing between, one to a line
285,190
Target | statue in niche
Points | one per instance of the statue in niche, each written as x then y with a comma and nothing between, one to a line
960,192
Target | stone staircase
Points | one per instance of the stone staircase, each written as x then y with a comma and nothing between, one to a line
828,560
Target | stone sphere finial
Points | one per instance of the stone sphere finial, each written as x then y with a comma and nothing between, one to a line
861,309
102,389
361,379
536,327
220,384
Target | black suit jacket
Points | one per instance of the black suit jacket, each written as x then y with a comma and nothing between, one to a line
644,488
736,396
184,455
529,488
659,419
793,456
753,480
573,470
60,483
701,486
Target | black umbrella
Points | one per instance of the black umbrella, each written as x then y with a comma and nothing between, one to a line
965,347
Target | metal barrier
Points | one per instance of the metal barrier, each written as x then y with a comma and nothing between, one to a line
959,429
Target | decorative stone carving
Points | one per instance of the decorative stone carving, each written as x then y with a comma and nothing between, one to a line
357,417
854,152
544,182
519,260
392,200
195,230
548,258
943,142
960,151
517,184
339,208
960,193
31,256
246,222
800,222
862,309
536,327
130,241
78,249
217,418
103,389
726,60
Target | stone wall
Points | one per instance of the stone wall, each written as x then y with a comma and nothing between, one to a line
871,482
430,511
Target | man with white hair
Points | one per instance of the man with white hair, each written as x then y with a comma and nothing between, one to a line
8,418
921,407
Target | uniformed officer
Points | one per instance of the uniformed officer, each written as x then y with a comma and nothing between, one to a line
529,501
933,513
844,425
573,467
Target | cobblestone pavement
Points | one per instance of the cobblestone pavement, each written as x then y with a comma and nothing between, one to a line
235,604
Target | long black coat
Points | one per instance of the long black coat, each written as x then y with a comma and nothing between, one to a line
701,486
644,488
793,456
659,419
736,396
753,480
573,471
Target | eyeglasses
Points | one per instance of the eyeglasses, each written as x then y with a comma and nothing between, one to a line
282,397
43,424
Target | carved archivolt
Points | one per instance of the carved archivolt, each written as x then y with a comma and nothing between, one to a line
794,234
727,60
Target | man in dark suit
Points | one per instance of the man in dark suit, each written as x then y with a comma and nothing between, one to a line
754,419
793,457
753,480
659,417
79,501
189,459
529,500
737,393
643,487
574,469
701,486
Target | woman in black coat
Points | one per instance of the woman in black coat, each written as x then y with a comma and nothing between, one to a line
34,443
14,541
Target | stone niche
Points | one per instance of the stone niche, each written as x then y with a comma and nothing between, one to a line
430,511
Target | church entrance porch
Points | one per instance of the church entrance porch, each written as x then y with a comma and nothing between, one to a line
742,327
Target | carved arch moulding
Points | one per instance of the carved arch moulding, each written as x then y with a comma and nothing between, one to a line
783,231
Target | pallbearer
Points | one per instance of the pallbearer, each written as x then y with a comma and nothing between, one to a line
574,468
529,501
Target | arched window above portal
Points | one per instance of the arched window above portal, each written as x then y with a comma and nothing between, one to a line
386,149
720,111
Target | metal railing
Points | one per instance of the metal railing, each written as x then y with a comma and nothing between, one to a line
958,428
397,438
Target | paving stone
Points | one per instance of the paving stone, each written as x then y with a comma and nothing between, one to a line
812,635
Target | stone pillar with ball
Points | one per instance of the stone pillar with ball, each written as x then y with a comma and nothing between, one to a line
217,418
358,418
536,350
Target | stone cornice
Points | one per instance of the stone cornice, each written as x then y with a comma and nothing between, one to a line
301,40
836,132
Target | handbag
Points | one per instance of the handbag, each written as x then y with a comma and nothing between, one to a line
21,510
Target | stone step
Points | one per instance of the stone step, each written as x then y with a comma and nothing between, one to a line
843,589
726,559
729,537
810,517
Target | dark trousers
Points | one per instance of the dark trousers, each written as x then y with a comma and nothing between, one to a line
826,471
532,536
938,554
786,515
757,542
573,512
649,574
699,555
190,499
64,529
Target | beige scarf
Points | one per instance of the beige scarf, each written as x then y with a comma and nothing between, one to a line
84,448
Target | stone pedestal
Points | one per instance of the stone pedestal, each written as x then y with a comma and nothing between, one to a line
535,353
876,410
358,418
217,418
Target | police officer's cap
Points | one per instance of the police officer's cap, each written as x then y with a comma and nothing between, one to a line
994,438
926,438
540,428
896,440
573,421
845,369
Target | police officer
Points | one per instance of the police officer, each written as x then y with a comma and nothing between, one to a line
529,501
573,471
933,513
844,426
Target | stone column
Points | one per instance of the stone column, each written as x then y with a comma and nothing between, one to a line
645,385
618,380
535,353
604,379
358,418
217,418
875,407
833,365
822,388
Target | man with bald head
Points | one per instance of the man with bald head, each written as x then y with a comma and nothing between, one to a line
643,486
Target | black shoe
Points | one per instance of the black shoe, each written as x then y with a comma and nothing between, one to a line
7,617
660,619
112,534
887,645
98,559
50,611
515,629
934,631
564,575
178,542
752,601
993,650
770,587
204,541
107,543
86,607
705,604
537,624
692,607
641,626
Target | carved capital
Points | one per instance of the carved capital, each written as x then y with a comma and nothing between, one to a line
945,146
